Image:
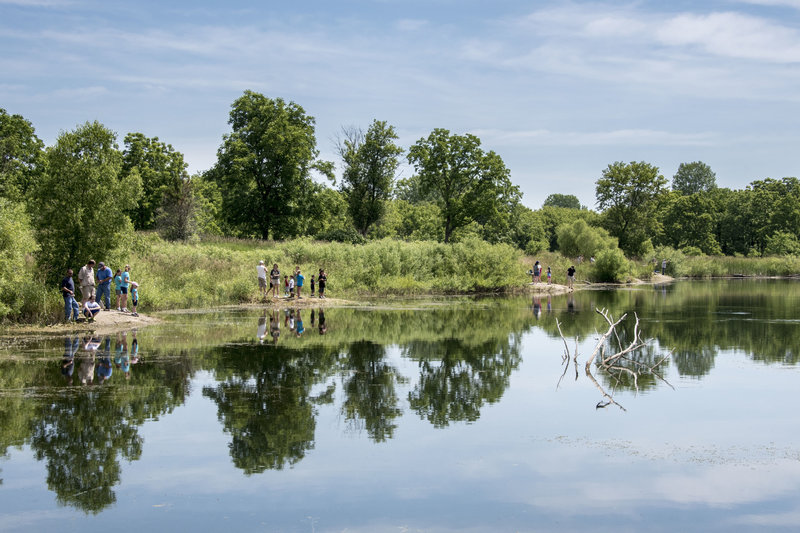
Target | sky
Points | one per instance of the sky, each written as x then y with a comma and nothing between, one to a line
559,89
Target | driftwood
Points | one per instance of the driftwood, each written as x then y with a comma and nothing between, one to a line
611,363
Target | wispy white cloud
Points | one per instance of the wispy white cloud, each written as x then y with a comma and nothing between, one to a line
39,3
411,24
778,3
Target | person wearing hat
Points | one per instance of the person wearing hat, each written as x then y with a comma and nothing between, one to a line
104,277
86,279
262,278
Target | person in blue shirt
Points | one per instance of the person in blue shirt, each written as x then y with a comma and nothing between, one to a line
299,279
123,286
104,277
134,297
68,292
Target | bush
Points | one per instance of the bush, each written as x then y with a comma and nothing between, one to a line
578,238
16,245
611,265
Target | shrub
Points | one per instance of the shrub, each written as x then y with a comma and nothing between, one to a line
611,265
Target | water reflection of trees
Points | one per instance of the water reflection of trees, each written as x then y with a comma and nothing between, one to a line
370,390
457,378
264,402
82,432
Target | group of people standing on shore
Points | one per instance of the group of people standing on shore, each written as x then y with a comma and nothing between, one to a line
536,274
270,282
96,290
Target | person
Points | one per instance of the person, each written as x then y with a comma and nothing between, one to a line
323,281
591,260
90,309
261,270
663,266
104,277
134,297
537,272
312,285
86,280
571,277
291,287
118,286
300,281
275,279
286,285
125,280
549,276
71,309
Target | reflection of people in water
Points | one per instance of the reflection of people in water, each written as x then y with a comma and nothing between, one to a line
323,328
549,308
274,326
104,369
312,318
299,329
537,307
71,346
86,370
261,331
121,358
570,303
290,318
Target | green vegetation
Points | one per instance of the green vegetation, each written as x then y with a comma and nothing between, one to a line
456,225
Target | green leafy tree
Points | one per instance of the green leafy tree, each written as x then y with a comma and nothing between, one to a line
80,202
370,162
693,178
16,242
264,166
568,201
554,217
21,156
176,219
579,238
629,196
689,221
467,183
162,171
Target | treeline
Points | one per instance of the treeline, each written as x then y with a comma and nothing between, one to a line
87,196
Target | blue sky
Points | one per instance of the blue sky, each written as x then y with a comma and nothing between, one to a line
558,89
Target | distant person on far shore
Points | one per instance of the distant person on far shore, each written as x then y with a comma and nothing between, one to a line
664,267
275,280
300,281
286,285
549,276
71,308
571,277
126,278
104,277
291,286
134,298
312,285
323,281
261,272
118,287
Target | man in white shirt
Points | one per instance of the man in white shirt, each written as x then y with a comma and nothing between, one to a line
262,278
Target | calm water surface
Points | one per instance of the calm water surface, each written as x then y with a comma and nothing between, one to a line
428,416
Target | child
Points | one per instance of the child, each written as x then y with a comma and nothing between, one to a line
90,309
286,285
549,276
323,280
312,285
134,297
300,279
291,287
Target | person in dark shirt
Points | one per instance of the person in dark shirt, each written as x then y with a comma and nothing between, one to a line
71,307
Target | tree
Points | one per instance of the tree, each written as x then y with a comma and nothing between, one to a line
161,169
80,203
370,162
694,177
569,201
629,195
579,238
689,221
264,166
21,156
16,241
467,183
176,218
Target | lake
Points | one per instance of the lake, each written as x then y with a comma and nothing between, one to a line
435,415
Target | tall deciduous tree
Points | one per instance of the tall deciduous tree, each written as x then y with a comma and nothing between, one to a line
467,183
21,156
80,202
162,171
370,162
628,195
264,166
694,177
569,201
